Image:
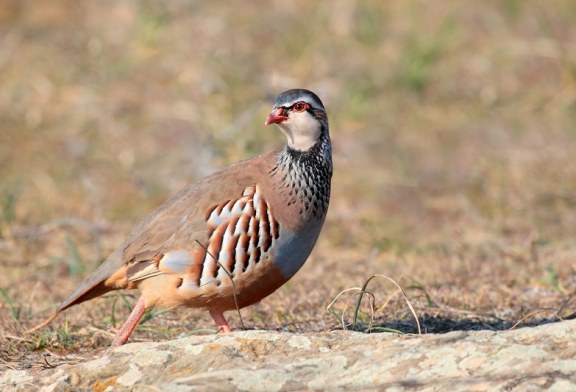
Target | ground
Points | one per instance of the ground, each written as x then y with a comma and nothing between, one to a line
453,132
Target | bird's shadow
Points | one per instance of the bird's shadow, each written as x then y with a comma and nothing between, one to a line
441,325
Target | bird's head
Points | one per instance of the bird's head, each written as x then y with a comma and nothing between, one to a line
301,116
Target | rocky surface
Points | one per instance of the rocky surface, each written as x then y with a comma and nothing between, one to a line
527,359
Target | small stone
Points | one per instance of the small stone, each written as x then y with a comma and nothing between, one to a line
300,342
131,377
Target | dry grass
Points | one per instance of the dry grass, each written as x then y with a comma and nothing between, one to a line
454,137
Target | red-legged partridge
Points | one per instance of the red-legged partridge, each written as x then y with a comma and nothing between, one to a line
253,223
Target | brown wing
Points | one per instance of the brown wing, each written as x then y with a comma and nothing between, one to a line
178,223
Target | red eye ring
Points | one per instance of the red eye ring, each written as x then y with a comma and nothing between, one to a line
300,106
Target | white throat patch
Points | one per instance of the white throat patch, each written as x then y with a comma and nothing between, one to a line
302,130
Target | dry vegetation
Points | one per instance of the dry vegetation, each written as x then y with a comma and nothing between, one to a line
454,132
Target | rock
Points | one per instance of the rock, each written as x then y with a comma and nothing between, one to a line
527,359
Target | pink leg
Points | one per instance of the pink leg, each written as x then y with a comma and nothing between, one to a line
220,321
124,332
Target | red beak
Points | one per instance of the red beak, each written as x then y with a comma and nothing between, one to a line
277,116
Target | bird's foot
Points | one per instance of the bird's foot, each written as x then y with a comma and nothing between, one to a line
220,321
224,329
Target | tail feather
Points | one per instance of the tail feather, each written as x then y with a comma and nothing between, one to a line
106,278
77,297
44,323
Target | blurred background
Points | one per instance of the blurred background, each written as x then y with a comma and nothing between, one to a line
453,126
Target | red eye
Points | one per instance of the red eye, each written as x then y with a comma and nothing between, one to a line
300,106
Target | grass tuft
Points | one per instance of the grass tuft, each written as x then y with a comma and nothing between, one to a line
75,264
359,293
14,308
7,213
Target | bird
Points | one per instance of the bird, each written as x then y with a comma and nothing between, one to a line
232,238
